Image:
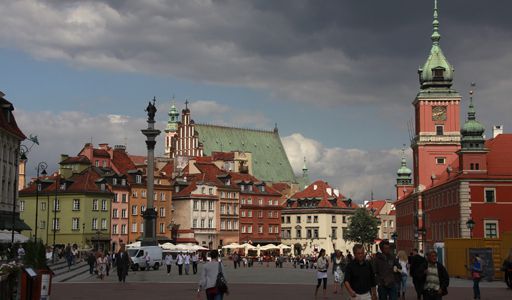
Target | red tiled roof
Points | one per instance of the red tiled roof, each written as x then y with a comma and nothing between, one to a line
378,205
168,168
9,125
76,159
318,190
281,186
499,160
138,159
392,212
122,162
100,153
235,177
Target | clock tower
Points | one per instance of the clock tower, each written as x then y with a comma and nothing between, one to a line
437,116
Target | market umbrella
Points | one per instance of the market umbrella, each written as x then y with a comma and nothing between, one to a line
167,246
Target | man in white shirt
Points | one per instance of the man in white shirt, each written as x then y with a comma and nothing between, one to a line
168,263
179,262
187,263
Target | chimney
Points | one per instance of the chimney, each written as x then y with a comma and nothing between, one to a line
497,130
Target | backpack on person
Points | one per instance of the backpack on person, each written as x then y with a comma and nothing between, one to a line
221,284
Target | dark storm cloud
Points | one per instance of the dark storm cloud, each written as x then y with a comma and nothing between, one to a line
362,52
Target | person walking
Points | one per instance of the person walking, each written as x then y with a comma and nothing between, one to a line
403,260
386,267
337,270
147,260
187,263
91,260
179,262
168,263
359,276
208,278
434,278
416,261
68,254
122,263
476,274
195,260
101,264
322,264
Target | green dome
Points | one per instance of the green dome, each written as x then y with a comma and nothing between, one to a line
472,128
404,172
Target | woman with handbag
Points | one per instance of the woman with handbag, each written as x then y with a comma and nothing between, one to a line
212,278
476,275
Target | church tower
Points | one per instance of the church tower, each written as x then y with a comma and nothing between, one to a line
437,129
172,128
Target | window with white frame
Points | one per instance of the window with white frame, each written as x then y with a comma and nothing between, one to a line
194,223
260,229
143,194
211,205
276,203
56,224
196,205
142,209
229,224
134,227
162,228
134,210
95,204
249,201
141,227
210,223
138,178
491,229
115,197
114,213
242,201
162,196
123,198
222,208
103,224
203,205
222,225
123,229
43,205
202,223
315,219
42,225
235,224
270,229
162,211
210,191
260,201
75,224
134,194
249,213
260,214
124,213
114,229
94,224
249,229
490,195
244,228
242,213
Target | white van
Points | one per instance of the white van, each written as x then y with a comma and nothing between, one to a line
138,257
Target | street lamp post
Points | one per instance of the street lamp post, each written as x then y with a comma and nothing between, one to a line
40,167
470,224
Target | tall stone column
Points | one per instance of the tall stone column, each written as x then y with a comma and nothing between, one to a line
150,214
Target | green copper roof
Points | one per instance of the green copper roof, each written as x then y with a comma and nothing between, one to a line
472,131
437,71
270,162
404,172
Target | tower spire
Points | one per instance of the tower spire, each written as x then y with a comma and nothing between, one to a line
435,24
471,109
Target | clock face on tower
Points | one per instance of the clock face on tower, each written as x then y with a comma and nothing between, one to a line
438,113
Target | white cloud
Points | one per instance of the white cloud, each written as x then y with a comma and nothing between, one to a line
356,172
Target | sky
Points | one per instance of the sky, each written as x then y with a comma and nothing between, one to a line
338,77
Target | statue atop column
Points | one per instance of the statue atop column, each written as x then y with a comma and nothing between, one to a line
151,109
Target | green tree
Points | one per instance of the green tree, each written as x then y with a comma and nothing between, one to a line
363,228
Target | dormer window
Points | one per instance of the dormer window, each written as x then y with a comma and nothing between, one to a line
177,189
123,182
63,187
114,181
102,186
438,73
228,182
138,178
